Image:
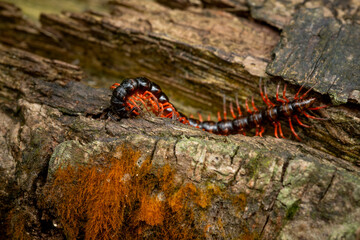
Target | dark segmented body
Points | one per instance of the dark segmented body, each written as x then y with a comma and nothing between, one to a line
129,87
239,124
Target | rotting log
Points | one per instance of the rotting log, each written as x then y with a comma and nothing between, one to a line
278,188
285,188
196,56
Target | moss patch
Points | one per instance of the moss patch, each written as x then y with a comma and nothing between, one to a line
292,210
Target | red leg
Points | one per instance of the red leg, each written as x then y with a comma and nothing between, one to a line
267,98
280,131
238,106
219,116
275,132
262,94
115,85
257,131
133,103
131,108
300,123
224,105
253,105
261,131
284,94
209,117
200,117
232,111
292,129
173,112
152,96
191,116
277,94
140,100
247,107
184,120
154,106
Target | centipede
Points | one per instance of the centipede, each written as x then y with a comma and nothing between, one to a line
132,92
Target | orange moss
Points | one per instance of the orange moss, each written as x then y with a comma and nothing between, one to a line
247,235
116,199
220,225
16,225
240,201
151,211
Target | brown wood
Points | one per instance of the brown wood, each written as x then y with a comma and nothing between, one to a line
50,117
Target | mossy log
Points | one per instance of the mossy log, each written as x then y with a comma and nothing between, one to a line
269,188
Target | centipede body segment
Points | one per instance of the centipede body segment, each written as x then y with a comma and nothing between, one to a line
130,93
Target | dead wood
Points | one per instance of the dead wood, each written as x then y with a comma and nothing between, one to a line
50,117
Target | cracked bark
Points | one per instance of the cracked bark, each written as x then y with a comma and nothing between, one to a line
49,117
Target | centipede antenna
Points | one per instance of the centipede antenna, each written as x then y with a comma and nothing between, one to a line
237,105
317,108
253,104
300,123
293,130
247,107
297,94
312,117
308,90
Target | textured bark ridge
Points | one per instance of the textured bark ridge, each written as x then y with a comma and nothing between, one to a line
243,187
316,47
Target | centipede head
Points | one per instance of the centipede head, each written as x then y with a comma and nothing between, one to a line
309,102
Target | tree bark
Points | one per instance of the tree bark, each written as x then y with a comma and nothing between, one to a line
50,117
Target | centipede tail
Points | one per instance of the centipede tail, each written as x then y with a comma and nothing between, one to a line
130,93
